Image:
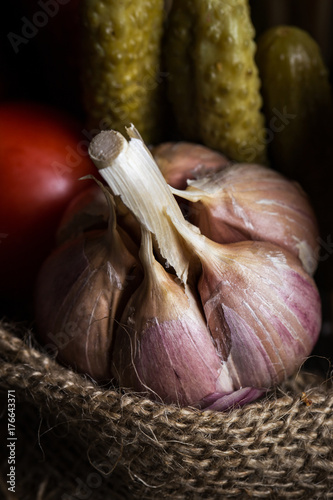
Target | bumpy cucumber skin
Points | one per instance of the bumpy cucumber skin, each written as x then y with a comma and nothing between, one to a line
297,99
217,99
121,55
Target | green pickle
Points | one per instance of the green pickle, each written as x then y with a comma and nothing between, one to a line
120,68
297,101
298,109
213,81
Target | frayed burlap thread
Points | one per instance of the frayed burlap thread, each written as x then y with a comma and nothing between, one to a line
280,447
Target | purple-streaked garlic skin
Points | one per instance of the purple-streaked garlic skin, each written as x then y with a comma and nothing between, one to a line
253,202
240,397
80,289
162,345
262,308
180,161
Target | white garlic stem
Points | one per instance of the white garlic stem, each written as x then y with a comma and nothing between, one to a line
194,195
130,170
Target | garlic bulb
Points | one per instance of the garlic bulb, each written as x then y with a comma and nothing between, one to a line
80,292
253,202
261,308
180,161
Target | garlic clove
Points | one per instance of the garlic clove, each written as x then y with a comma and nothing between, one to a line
81,290
269,307
162,345
87,211
248,201
180,161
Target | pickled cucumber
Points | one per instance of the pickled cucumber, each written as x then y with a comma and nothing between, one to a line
121,55
297,100
213,79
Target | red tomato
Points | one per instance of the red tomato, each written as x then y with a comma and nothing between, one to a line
43,153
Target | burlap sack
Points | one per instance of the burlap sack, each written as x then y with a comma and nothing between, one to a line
76,440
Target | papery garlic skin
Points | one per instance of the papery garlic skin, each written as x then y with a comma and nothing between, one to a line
162,345
87,211
173,359
239,397
80,291
180,161
262,307
262,319
253,202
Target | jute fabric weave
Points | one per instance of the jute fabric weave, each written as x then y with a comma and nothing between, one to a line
122,445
